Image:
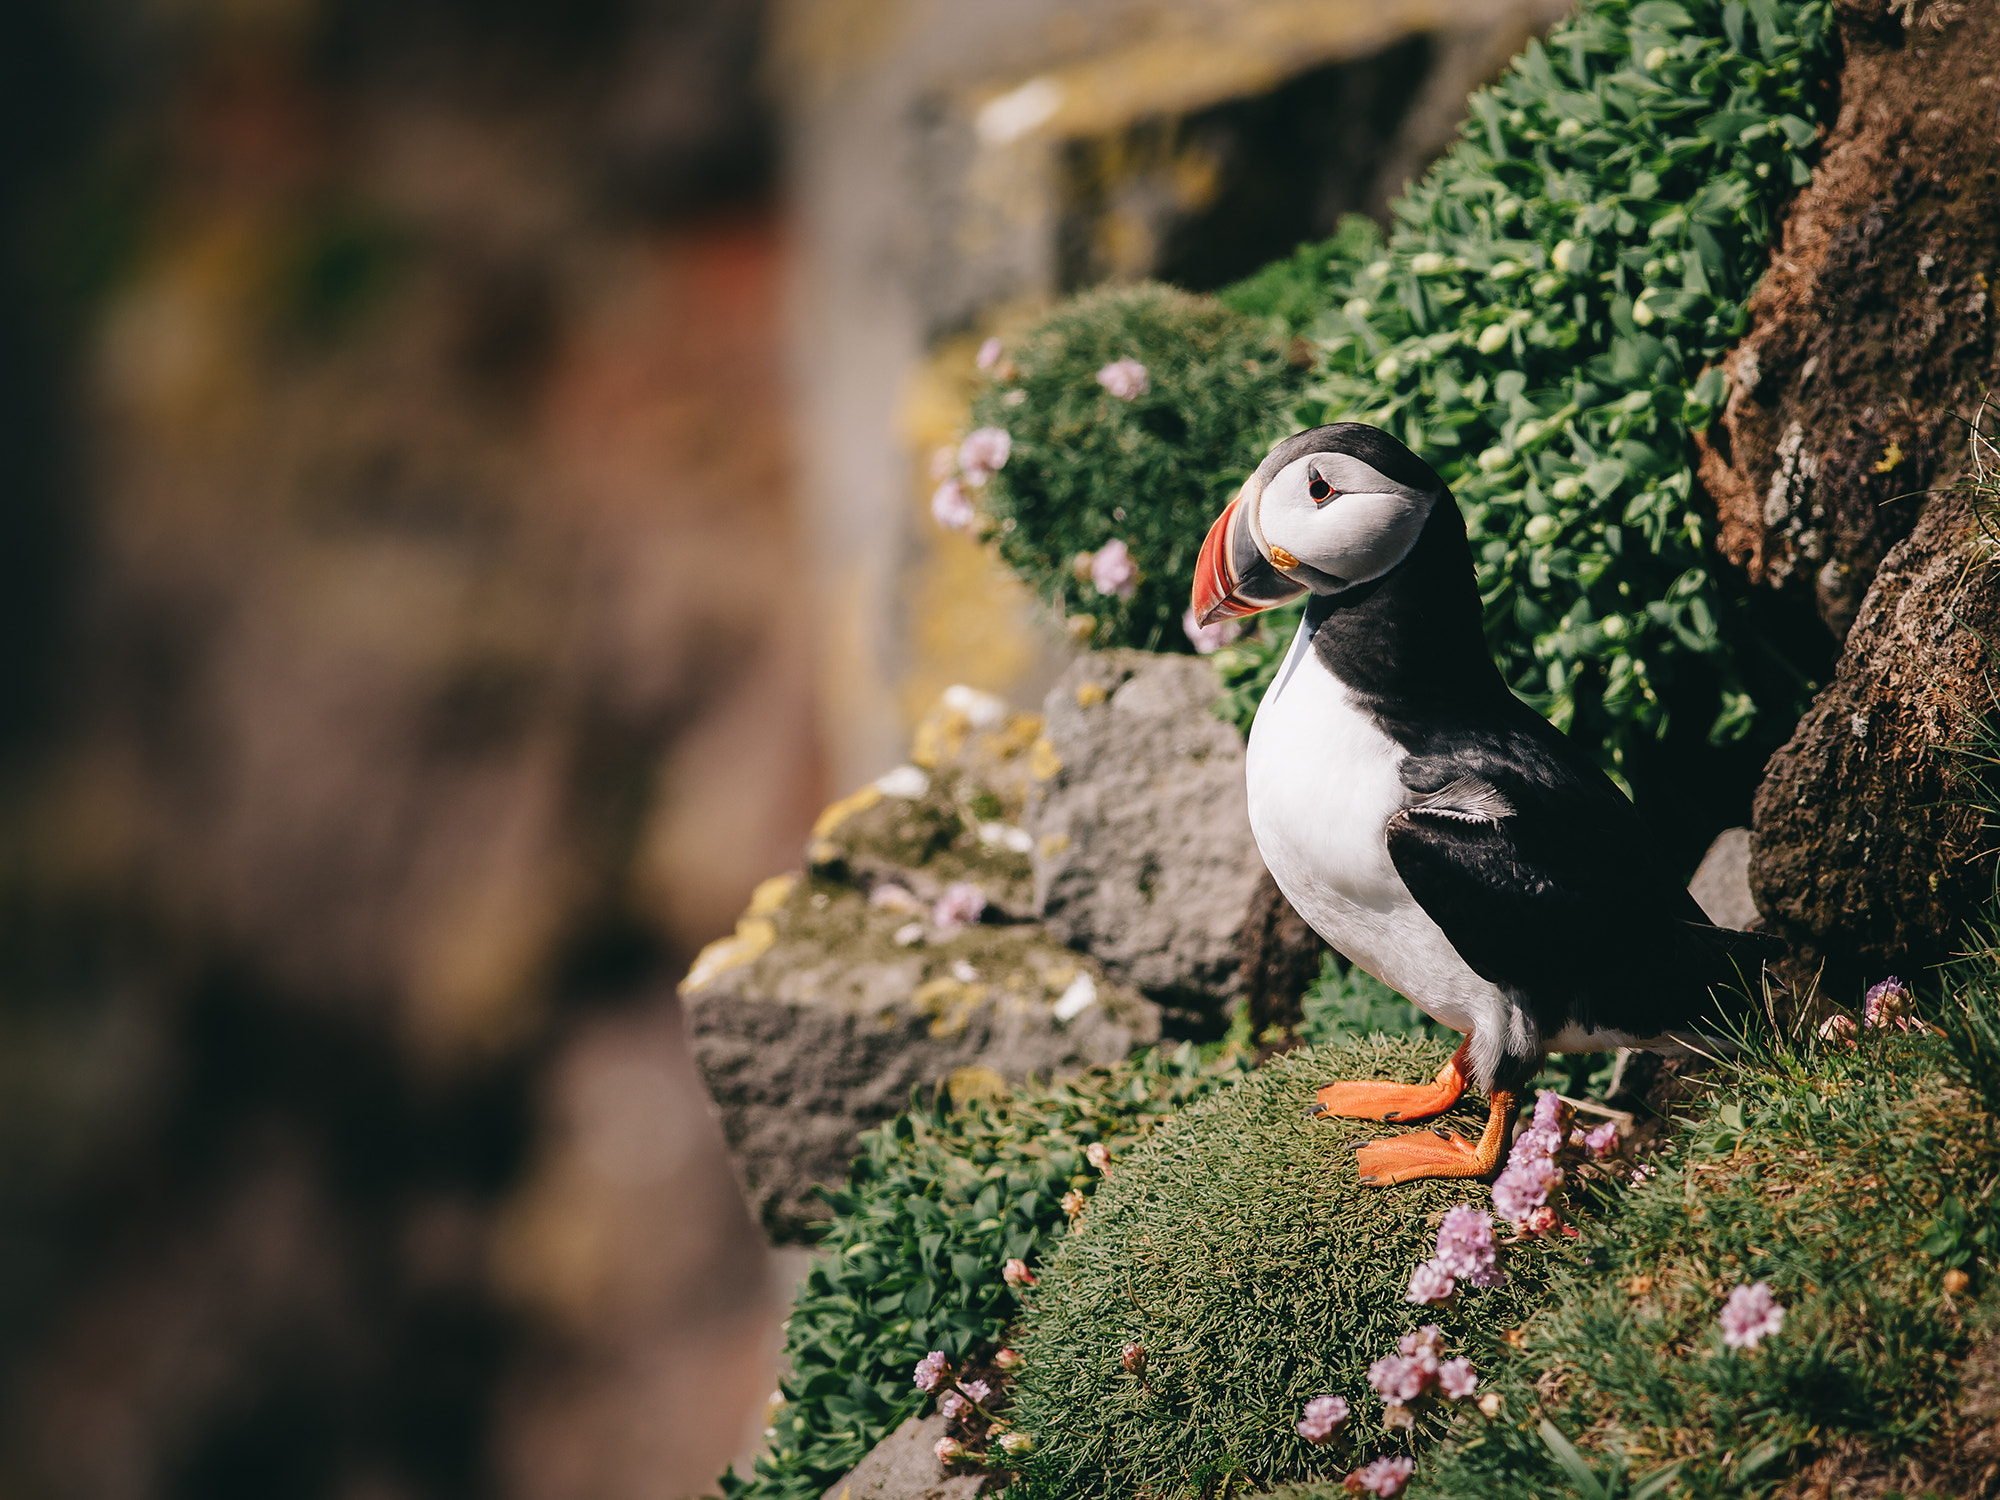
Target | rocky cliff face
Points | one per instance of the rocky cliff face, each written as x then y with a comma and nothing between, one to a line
1835,469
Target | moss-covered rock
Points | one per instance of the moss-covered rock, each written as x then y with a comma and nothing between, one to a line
1237,1248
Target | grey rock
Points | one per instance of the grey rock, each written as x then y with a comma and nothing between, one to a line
814,1023
1721,884
904,1466
1143,855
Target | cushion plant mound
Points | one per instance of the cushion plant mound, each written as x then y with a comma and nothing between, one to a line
1237,1249
1088,466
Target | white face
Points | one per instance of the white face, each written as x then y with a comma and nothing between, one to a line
1339,517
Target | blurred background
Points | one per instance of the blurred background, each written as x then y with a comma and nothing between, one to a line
462,512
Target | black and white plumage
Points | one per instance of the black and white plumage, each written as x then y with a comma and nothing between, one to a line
1428,824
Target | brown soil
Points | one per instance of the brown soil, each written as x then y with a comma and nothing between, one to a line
1872,335
1963,1462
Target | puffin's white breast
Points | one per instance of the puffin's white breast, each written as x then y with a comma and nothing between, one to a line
1323,785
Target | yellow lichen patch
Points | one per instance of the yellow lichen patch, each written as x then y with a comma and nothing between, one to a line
948,1003
1058,976
844,809
1043,762
751,940
1020,733
1089,695
1891,456
939,738
770,895
967,1084
1054,844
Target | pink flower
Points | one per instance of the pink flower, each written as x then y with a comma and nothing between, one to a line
1430,1283
1098,1155
1399,1379
1125,378
1208,639
1887,1004
988,355
962,904
1112,570
1386,1476
950,507
1456,1379
1602,1141
1427,1340
1073,1204
1007,1359
1466,1247
1644,1173
952,1405
1324,1415
1750,1316
976,1390
1525,1185
1838,1029
1540,1220
1551,1112
1133,1359
930,1370
1016,1273
983,454
949,1450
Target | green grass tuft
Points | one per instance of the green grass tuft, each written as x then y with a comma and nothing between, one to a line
1238,1249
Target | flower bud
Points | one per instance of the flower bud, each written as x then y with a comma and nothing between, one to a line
1133,1358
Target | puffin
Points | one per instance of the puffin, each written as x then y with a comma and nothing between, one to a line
1431,826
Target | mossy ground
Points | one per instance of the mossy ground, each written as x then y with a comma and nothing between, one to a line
1848,1179
1237,1247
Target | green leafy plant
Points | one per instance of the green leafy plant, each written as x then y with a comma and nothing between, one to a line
1544,325
939,1200
1088,467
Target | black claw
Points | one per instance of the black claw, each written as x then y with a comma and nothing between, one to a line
1394,1114
1315,1111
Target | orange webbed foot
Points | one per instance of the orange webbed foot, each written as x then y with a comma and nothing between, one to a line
1437,1153
1380,1100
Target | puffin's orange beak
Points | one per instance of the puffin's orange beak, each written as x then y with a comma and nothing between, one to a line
1232,577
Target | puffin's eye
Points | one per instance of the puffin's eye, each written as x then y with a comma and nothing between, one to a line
1320,490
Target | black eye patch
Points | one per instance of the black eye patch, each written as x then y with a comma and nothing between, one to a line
1320,490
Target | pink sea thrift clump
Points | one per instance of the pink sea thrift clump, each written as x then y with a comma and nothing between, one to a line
1466,1251
930,1371
1532,1173
1211,638
962,904
983,454
951,507
1415,1373
1112,570
1125,378
1323,1416
1385,1476
1750,1316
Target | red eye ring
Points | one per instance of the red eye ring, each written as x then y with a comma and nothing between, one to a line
1320,490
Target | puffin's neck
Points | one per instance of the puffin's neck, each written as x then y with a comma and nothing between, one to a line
1413,636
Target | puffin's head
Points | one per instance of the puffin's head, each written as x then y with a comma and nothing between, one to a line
1326,509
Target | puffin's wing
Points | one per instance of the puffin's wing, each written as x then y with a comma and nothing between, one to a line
1544,883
